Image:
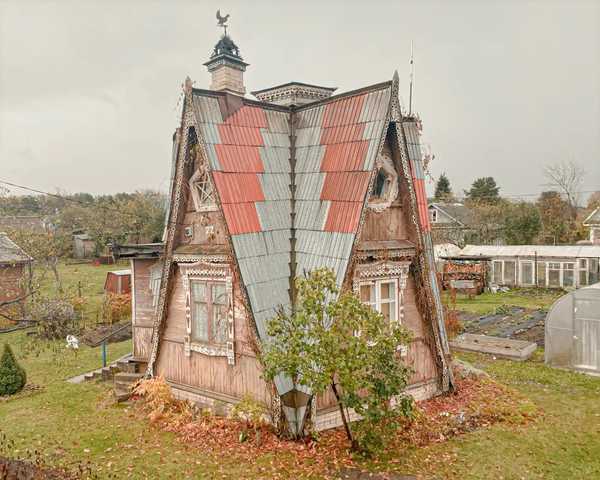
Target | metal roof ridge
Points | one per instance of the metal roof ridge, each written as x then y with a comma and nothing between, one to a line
369,88
287,84
247,101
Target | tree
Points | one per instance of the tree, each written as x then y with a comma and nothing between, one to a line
12,375
344,345
521,223
555,214
593,201
567,177
443,191
483,190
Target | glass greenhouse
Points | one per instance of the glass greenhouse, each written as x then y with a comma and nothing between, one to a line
573,330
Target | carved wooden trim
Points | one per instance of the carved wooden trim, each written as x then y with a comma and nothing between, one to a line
208,272
385,162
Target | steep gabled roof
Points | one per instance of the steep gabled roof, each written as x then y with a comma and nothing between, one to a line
456,211
593,219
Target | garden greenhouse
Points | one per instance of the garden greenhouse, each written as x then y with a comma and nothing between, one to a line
573,330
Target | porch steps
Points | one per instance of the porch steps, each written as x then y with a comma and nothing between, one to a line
124,381
124,373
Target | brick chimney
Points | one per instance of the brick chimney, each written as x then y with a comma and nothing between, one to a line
227,67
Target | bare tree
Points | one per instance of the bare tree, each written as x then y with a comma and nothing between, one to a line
567,177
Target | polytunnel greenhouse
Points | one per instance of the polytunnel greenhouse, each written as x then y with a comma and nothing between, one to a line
573,330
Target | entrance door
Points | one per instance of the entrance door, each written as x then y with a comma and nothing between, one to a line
587,332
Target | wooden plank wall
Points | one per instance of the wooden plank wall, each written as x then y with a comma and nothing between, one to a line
143,315
204,372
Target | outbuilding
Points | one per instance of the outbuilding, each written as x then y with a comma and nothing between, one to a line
15,265
547,266
573,331
118,282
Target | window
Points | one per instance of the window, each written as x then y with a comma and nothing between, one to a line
568,274
202,192
509,272
497,275
583,271
527,273
553,274
385,187
381,295
541,274
209,311
433,215
380,184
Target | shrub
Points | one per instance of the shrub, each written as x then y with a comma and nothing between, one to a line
55,318
12,375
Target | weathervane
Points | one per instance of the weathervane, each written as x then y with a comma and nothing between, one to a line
222,21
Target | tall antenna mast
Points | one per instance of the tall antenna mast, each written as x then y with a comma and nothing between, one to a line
412,76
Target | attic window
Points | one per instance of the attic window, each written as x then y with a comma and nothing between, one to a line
202,191
385,187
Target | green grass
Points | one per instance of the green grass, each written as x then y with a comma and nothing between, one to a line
488,302
85,277
72,423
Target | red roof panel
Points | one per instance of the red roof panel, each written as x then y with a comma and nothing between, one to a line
241,218
342,134
344,111
345,186
239,158
248,116
236,135
343,217
345,157
238,187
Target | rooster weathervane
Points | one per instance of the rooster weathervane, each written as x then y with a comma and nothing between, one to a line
222,21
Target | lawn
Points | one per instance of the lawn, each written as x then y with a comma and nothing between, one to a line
84,278
70,424
522,297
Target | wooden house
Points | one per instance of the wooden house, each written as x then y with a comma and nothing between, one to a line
15,266
593,223
263,191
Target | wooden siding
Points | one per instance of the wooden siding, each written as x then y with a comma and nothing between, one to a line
143,311
210,373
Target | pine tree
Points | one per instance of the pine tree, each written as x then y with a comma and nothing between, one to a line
12,375
484,190
443,192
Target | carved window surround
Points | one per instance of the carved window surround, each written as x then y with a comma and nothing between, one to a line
384,164
383,270
208,272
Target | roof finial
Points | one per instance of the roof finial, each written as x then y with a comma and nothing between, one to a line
222,21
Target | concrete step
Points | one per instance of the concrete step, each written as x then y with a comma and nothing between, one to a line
127,365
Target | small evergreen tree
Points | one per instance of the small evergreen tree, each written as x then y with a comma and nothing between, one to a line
12,375
484,190
443,192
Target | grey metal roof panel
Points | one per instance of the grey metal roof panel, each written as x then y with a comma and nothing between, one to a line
213,159
311,215
413,143
278,121
309,185
265,268
274,215
267,296
329,244
207,109
275,139
376,105
310,117
309,159
307,263
10,252
209,133
249,245
275,186
308,136
275,159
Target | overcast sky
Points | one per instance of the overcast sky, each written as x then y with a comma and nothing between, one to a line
89,91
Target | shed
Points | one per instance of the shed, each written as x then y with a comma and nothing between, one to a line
118,282
83,245
465,274
548,266
14,265
573,331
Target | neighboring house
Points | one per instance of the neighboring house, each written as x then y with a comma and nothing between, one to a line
83,246
450,222
593,223
15,265
265,191
27,223
551,266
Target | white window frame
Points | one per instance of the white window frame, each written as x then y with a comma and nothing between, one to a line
494,264
562,273
376,283
560,279
533,273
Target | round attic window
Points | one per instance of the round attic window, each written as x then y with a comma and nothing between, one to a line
385,187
